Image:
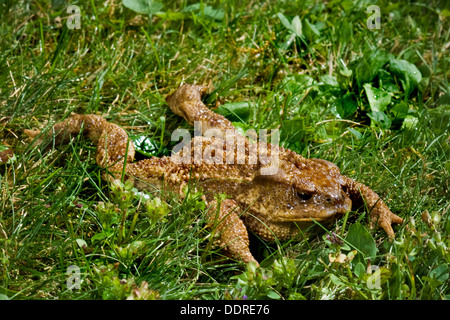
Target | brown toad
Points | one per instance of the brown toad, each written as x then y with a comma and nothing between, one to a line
271,204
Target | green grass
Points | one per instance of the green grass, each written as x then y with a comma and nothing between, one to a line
336,89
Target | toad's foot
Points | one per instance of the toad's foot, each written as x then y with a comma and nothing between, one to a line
379,211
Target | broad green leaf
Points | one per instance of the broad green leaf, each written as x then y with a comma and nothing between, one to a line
273,295
440,273
297,83
410,122
207,11
236,111
296,26
346,72
284,21
299,296
400,110
101,236
329,80
143,6
380,118
367,67
377,60
346,105
336,280
360,238
359,270
387,82
356,133
310,31
215,14
146,145
81,243
378,99
378,102
406,71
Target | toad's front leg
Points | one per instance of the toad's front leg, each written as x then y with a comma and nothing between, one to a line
230,230
379,211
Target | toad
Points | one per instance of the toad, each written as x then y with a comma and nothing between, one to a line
274,196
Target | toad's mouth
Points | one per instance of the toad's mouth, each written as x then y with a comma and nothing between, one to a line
318,214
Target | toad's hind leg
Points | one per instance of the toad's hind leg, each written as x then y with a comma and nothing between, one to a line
113,146
112,141
186,102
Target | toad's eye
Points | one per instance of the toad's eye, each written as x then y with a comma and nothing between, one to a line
304,196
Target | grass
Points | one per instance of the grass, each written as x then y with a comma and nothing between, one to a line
337,90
